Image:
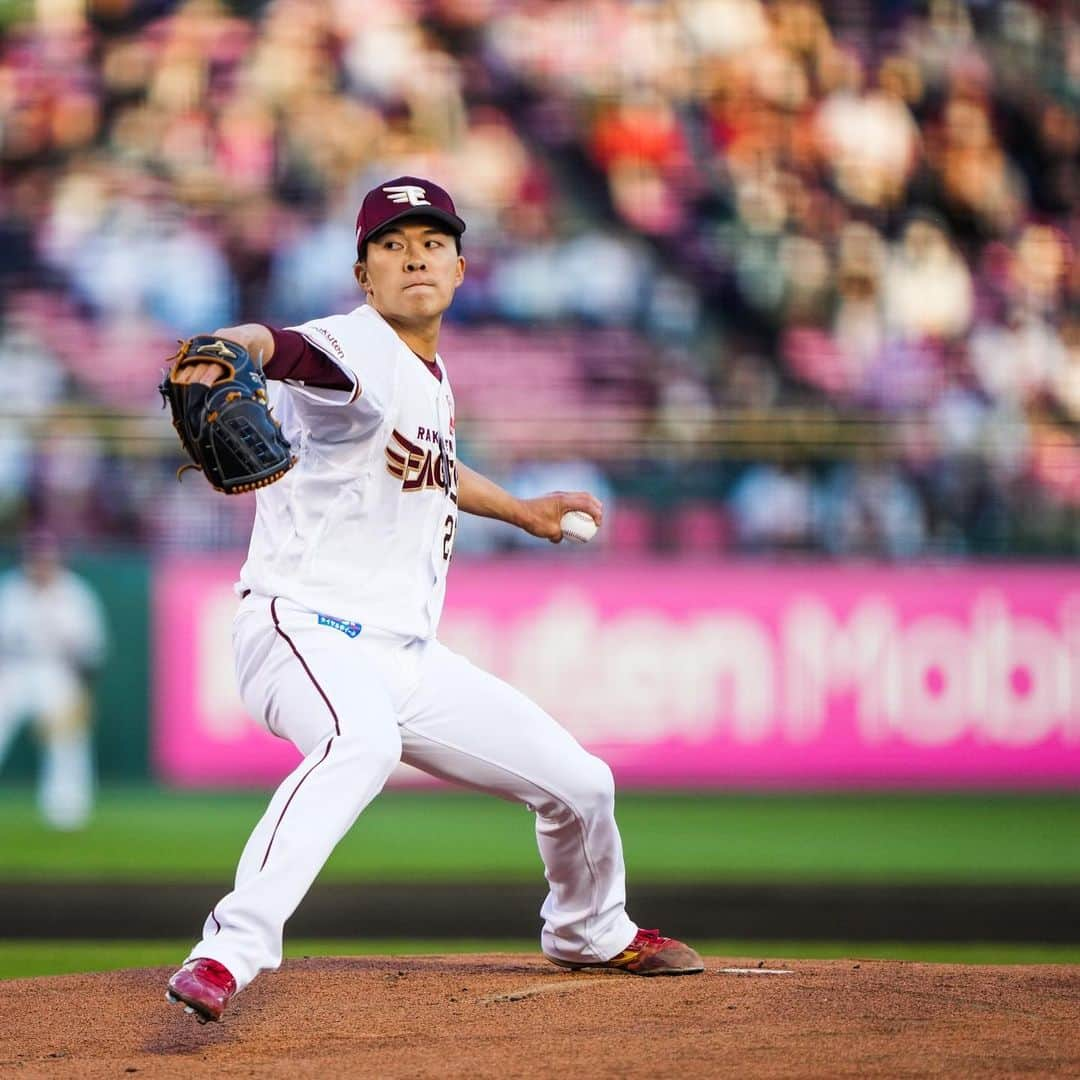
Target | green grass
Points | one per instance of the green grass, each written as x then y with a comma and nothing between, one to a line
27,959
147,834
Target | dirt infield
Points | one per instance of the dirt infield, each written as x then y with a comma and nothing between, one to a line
512,1016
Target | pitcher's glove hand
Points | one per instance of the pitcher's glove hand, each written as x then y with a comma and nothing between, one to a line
226,428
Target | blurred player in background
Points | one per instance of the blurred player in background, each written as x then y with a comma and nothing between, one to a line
52,644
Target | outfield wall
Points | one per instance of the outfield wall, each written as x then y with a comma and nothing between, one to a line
710,675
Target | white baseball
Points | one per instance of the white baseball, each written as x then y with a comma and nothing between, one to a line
577,525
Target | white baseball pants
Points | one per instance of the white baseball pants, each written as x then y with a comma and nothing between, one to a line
48,692
355,707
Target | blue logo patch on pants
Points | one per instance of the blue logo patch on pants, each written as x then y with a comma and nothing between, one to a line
349,629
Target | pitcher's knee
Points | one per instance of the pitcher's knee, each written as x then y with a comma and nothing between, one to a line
378,754
590,789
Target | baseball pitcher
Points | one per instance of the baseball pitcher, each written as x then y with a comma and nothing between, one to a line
345,425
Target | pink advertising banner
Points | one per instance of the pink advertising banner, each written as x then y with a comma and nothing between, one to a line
710,675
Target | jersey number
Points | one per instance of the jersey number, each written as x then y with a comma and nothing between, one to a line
448,537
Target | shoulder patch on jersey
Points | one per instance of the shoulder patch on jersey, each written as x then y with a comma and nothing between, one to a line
331,340
349,629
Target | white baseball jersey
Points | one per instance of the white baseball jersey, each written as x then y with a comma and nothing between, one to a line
57,623
362,527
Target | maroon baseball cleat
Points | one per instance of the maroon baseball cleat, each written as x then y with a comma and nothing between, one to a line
648,954
204,986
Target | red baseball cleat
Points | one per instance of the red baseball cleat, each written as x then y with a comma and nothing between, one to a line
204,986
648,954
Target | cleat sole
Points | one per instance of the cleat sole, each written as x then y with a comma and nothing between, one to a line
693,969
190,1010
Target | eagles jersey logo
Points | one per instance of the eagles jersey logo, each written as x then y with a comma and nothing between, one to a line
420,468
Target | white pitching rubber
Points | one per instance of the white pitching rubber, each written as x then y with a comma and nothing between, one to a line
756,971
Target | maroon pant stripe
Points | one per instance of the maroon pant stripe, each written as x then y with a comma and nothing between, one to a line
296,653
281,816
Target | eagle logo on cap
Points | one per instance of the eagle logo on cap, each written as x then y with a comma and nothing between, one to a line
407,193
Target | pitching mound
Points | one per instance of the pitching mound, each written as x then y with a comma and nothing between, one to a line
513,1016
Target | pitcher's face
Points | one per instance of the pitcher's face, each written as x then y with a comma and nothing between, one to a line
411,271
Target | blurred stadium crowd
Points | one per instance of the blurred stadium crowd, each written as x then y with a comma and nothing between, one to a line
772,275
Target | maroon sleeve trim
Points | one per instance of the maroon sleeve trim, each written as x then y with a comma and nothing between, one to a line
297,359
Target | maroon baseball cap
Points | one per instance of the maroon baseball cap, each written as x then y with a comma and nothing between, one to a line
405,197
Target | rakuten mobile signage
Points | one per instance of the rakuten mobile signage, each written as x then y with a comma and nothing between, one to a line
730,676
